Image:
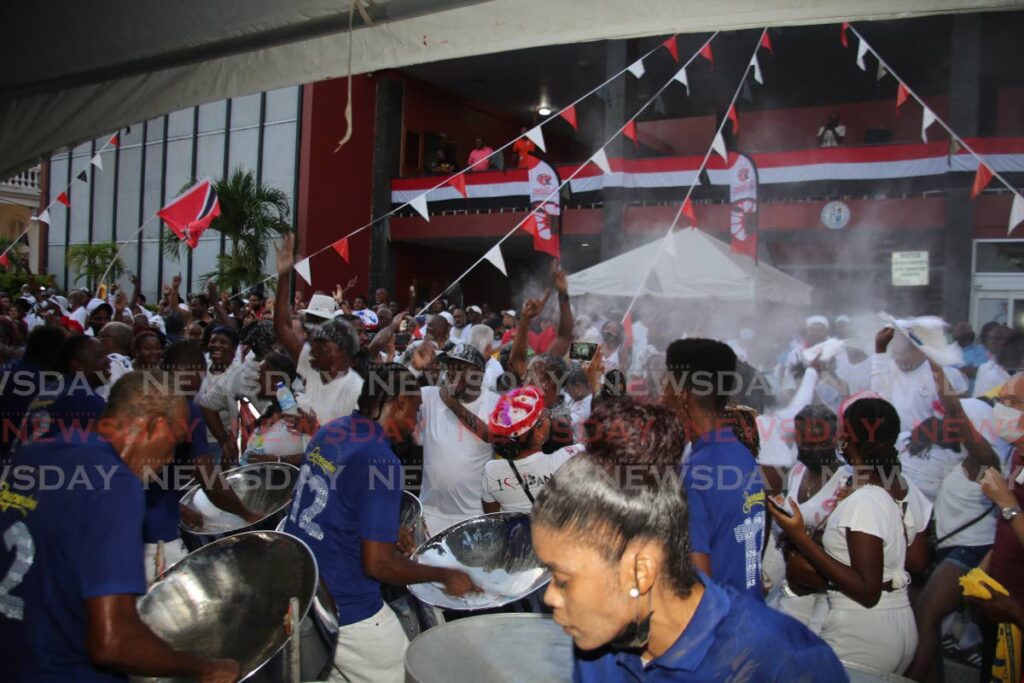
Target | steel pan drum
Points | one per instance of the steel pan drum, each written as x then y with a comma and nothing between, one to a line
263,487
411,516
229,599
497,553
497,648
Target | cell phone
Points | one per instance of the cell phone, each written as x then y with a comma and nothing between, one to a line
402,340
582,351
779,507
404,325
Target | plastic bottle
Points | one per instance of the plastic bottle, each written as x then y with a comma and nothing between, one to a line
286,400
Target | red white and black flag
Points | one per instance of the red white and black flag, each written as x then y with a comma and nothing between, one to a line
191,213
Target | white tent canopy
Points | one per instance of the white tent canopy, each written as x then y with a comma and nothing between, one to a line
703,268
75,70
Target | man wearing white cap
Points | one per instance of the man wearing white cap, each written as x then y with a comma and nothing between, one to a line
474,314
461,328
815,331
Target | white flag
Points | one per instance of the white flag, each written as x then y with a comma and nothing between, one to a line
719,146
302,268
537,137
1016,213
670,242
636,68
44,217
681,77
862,49
757,70
97,161
927,119
881,72
495,257
420,204
601,159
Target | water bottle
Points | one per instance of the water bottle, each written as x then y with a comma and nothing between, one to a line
286,400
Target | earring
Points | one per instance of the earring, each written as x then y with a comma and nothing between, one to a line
634,592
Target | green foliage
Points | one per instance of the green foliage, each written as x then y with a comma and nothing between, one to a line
11,281
252,216
90,261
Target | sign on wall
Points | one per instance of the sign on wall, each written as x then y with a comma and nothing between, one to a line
909,268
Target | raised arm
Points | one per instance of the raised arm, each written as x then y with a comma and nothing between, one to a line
517,356
282,306
979,452
560,346
218,306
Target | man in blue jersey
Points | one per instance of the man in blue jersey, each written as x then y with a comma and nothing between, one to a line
721,477
71,561
346,508
22,379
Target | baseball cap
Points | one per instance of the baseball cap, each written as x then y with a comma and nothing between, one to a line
474,309
465,353
509,312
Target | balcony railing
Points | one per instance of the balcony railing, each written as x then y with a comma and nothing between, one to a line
26,182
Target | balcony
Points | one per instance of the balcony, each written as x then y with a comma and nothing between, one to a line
22,189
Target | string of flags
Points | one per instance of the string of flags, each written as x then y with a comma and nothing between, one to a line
984,173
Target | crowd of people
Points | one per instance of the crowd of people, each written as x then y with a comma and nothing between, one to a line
704,506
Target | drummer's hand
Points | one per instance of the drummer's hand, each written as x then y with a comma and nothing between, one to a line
406,543
302,423
457,583
221,671
190,517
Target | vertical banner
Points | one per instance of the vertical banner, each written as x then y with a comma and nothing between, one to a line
543,181
743,197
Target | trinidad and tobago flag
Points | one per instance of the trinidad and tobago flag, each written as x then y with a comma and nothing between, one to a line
191,213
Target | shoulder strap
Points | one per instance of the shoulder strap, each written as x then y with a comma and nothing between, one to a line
519,478
966,525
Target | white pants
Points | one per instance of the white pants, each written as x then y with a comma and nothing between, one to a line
174,551
810,610
371,650
882,638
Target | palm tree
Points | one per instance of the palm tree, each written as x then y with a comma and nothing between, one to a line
251,216
91,261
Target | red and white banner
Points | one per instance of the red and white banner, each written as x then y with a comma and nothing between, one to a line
191,213
743,198
543,182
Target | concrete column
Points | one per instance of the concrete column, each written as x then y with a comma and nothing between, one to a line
387,154
613,231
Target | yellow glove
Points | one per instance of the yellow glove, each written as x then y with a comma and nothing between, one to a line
976,584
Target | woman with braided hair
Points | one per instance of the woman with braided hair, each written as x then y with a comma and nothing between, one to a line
870,621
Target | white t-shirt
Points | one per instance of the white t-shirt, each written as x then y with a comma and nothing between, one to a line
816,509
453,460
929,469
220,392
460,336
960,500
501,486
870,510
329,400
579,412
119,365
492,371
276,440
913,394
990,375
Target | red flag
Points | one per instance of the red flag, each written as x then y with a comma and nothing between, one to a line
731,115
673,49
842,35
459,183
981,179
901,95
627,331
538,224
341,246
114,140
630,131
63,199
705,52
689,212
766,43
191,213
569,114
4,261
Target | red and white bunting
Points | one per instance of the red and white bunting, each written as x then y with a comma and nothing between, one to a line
680,77
629,130
636,68
97,161
705,52
459,183
537,137
881,71
341,246
731,115
114,140
862,49
497,260
302,268
44,217
673,48
927,119
766,43
689,212
757,69
1016,213
719,146
901,95
981,179
63,199
842,35
569,114
419,203
600,160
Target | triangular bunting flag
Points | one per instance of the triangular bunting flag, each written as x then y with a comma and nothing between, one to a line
719,146
881,72
459,183
97,161
569,114
44,217
766,43
842,35
927,119
670,243
689,212
497,260
981,179
4,261
705,52
901,95
114,140
420,204
681,78
629,130
341,246
537,137
302,268
673,49
731,115
83,176
63,199
757,69
745,94
600,160
862,49
1016,213
636,68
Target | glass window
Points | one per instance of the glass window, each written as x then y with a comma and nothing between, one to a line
1000,257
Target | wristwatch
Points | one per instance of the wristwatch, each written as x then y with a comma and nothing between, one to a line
1010,512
